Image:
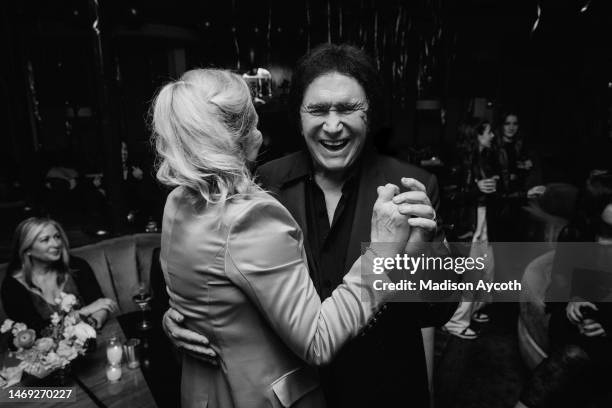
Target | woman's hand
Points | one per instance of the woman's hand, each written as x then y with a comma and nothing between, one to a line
415,205
573,310
99,318
524,165
389,226
591,328
100,304
536,191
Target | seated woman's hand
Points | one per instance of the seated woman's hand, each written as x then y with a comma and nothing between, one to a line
574,310
194,343
591,328
97,305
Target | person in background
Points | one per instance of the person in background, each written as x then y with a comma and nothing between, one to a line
481,182
576,373
521,177
329,188
132,187
40,268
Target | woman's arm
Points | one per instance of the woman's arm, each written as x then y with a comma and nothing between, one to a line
265,258
97,308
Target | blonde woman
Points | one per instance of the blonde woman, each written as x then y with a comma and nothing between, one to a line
40,269
233,257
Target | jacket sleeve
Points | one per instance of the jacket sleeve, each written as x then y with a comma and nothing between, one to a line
266,259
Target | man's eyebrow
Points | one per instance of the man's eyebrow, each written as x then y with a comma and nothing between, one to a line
356,105
318,106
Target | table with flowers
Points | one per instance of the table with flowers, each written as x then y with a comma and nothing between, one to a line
68,356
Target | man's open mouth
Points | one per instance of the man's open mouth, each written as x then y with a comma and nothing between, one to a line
334,145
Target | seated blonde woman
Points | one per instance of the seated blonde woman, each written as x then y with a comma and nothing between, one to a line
233,257
40,269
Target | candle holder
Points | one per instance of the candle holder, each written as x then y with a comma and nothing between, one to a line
114,351
113,372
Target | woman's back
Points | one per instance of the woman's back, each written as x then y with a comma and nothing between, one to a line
203,258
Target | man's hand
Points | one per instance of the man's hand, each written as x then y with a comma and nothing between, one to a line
416,205
190,341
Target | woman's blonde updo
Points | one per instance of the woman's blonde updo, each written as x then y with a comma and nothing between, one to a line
204,126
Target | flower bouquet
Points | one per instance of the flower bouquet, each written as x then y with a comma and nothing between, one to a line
62,341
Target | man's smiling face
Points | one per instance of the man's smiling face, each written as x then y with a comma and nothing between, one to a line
334,121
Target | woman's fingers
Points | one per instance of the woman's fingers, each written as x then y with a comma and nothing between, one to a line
109,305
417,210
386,193
599,332
413,184
589,305
573,313
411,197
593,329
427,224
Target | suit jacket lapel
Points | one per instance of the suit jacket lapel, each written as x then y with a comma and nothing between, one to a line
291,192
371,177
293,197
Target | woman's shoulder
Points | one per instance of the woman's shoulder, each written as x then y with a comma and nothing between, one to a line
257,209
12,284
257,206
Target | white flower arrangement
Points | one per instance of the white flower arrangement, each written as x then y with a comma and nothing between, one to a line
65,339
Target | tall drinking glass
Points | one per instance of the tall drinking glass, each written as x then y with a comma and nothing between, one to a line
142,298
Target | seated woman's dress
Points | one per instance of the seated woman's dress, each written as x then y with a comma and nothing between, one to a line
24,305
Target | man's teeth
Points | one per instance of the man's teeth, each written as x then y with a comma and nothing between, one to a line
334,143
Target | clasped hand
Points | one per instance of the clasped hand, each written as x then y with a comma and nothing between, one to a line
409,213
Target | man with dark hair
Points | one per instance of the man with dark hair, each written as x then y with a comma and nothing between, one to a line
330,190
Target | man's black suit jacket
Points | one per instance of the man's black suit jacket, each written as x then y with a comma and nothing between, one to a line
385,365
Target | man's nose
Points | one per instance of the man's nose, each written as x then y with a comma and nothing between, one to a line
333,123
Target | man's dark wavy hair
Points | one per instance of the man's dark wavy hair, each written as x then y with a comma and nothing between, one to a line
347,60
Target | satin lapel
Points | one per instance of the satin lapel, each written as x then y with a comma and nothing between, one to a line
370,178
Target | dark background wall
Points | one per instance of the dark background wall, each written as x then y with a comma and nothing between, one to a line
77,76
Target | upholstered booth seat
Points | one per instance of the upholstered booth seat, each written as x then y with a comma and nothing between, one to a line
118,263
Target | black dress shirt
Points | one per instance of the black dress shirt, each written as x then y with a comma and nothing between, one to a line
329,243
